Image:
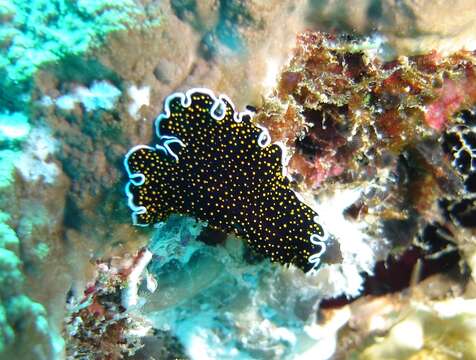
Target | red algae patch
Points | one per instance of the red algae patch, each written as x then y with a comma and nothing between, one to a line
337,84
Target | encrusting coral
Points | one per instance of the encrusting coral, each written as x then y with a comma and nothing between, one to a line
215,164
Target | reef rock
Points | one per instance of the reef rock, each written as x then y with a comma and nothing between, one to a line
410,27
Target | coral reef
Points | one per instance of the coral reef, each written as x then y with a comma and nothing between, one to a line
431,320
399,133
101,95
81,76
21,318
221,301
47,31
358,107
145,65
380,135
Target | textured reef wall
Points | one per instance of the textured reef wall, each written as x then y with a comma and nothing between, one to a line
378,128
35,261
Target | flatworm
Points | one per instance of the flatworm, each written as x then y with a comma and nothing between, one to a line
216,165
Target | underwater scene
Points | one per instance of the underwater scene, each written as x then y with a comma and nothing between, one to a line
237,179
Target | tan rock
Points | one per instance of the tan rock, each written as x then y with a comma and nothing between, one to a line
411,26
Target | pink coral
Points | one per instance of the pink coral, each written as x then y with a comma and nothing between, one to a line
452,96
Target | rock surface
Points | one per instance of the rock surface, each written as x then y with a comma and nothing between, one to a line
411,27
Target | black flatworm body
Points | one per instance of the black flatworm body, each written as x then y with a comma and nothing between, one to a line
216,165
